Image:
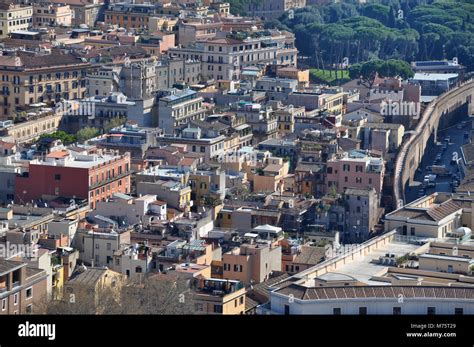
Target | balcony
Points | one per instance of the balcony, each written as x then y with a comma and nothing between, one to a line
217,287
109,180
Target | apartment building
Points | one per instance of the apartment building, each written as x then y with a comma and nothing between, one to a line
103,80
251,263
192,31
130,15
132,139
302,76
223,58
270,178
273,9
50,14
328,99
354,169
262,120
207,186
41,123
175,194
286,118
89,283
129,211
218,296
384,137
84,12
34,78
179,107
70,174
21,287
14,17
138,79
362,214
97,245
209,148
169,72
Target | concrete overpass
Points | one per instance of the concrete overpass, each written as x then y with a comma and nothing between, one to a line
440,110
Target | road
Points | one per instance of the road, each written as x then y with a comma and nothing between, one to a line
431,115
443,184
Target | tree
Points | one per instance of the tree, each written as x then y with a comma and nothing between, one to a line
159,294
114,123
65,138
393,68
87,133
367,71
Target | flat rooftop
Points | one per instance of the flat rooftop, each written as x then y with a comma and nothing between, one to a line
363,269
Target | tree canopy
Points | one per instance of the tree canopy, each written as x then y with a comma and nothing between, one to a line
389,29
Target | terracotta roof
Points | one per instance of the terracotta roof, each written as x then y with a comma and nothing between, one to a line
73,2
58,154
443,210
186,161
28,60
225,41
435,213
310,255
8,145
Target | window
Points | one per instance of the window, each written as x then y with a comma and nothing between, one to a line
4,304
15,299
397,311
57,177
236,268
29,292
362,310
199,307
241,300
217,308
412,231
109,246
29,308
287,310
336,311
459,311
431,311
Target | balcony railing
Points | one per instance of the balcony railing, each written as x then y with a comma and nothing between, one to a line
109,180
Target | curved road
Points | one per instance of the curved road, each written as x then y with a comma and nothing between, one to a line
400,161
